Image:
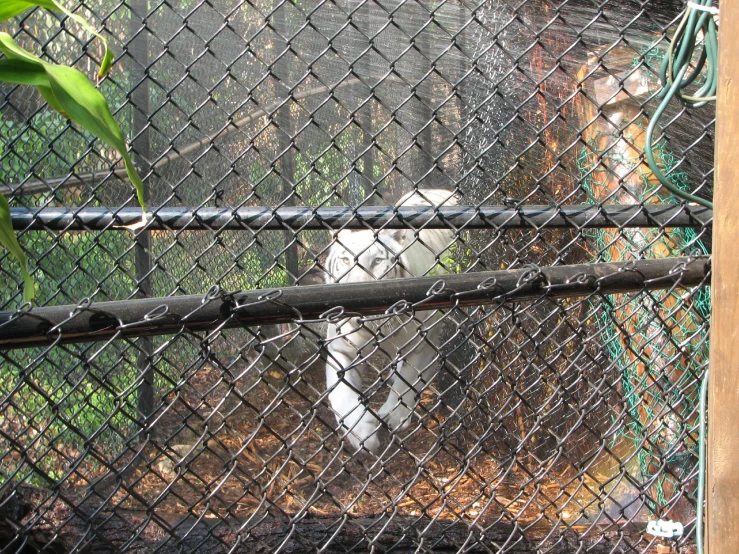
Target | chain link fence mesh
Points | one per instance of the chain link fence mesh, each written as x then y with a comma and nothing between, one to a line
558,418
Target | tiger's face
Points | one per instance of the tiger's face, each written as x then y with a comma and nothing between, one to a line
359,256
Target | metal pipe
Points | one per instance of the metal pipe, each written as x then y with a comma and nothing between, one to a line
63,181
162,316
368,217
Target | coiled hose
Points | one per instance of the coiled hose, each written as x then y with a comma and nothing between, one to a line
680,68
697,31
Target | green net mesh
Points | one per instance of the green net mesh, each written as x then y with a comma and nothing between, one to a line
658,341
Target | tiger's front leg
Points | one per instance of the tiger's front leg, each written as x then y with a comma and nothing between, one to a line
344,384
413,373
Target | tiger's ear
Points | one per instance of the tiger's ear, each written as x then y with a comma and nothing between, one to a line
338,234
398,235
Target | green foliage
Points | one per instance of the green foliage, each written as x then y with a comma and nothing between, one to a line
458,258
7,237
11,8
68,399
70,93
28,147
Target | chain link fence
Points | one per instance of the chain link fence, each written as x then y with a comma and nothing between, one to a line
408,283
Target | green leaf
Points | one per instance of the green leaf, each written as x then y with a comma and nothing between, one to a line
14,52
11,8
22,72
7,238
83,104
138,184
107,63
19,61
69,92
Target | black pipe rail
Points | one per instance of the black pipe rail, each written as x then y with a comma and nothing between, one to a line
387,217
169,315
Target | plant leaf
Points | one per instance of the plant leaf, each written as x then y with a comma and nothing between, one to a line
18,61
84,105
14,52
11,8
9,241
22,72
69,92
107,63
138,184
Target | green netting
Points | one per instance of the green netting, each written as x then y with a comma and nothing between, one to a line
658,342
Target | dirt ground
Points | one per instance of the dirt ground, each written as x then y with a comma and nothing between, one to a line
242,436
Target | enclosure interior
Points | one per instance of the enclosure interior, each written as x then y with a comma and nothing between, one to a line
549,421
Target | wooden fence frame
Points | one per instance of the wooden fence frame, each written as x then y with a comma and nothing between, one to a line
722,486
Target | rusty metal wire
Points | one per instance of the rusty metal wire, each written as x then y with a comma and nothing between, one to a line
505,323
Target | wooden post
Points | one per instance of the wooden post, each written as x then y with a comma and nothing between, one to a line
722,487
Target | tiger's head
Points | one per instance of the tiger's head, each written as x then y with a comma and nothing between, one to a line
360,256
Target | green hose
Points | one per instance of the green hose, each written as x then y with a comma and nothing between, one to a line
701,493
675,66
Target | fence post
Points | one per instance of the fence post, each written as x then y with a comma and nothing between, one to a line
139,51
366,115
284,120
722,487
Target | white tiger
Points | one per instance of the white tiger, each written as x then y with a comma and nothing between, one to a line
411,341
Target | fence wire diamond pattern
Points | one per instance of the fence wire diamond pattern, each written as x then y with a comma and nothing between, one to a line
408,283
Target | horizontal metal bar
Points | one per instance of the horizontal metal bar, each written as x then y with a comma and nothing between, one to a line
389,217
62,182
162,316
